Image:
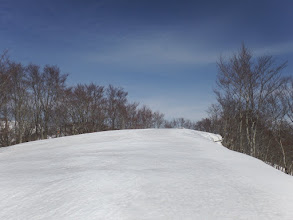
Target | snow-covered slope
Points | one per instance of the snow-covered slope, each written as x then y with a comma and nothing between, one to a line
139,174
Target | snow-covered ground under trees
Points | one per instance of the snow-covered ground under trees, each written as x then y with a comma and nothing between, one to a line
139,174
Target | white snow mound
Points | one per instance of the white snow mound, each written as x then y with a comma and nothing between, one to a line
139,174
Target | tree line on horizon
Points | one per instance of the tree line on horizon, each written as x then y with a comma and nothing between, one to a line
36,103
254,109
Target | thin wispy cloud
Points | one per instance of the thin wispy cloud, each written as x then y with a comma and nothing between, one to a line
152,51
275,49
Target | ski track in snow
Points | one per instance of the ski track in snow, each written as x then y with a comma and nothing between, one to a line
139,174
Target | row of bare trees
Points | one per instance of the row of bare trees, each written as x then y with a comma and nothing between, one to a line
36,104
254,110
253,113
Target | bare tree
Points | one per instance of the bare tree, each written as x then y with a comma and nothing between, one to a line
116,107
158,119
19,100
145,117
47,87
244,87
131,121
5,96
36,86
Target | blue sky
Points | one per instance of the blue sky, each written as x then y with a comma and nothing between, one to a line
163,53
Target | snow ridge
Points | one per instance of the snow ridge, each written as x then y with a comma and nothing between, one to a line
139,174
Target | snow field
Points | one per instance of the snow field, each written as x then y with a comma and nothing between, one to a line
139,174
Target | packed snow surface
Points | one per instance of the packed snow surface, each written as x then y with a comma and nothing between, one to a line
139,174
